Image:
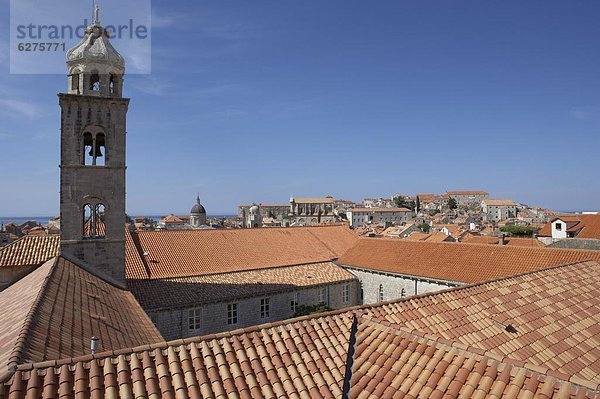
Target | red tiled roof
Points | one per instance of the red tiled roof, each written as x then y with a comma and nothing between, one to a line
376,209
200,252
499,202
467,263
196,290
326,200
588,224
453,343
466,192
390,362
54,312
171,219
29,251
511,241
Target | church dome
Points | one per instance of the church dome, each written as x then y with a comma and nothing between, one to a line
95,49
198,208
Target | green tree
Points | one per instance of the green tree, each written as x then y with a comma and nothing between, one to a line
425,227
518,231
304,310
319,215
418,205
400,201
452,204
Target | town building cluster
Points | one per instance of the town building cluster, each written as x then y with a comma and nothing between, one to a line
412,296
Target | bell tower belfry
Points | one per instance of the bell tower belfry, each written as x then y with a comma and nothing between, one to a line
92,154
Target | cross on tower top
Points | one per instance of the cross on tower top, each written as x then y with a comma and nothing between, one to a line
97,15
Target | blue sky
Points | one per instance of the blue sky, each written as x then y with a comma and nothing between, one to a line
257,101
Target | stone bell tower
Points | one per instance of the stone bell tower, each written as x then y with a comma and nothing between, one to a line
92,155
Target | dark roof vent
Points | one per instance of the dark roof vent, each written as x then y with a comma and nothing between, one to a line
511,329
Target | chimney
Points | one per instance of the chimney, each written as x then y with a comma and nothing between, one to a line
501,239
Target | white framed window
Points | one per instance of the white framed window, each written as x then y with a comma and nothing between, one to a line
232,313
346,293
362,293
294,303
194,319
265,308
323,295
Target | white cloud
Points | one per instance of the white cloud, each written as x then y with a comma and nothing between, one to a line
21,108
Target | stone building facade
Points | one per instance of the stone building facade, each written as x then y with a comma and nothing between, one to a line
358,217
209,318
468,197
279,213
498,210
378,286
311,211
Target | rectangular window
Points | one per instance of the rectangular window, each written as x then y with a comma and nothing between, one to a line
294,303
559,226
194,318
232,313
75,82
264,308
346,293
323,295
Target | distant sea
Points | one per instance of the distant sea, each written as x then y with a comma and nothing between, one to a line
43,220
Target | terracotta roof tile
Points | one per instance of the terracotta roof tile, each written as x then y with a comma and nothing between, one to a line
54,311
499,202
398,352
466,192
511,241
196,290
467,263
376,209
200,252
326,200
29,251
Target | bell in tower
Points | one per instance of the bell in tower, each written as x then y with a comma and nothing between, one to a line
92,163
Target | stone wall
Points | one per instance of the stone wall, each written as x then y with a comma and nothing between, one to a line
173,323
395,286
574,243
9,275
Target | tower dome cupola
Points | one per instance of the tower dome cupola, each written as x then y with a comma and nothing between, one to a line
198,208
95,67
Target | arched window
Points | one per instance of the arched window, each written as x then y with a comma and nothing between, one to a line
381,293
93,221
94,149
75,82
88,149
112,84
95,82
100,149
